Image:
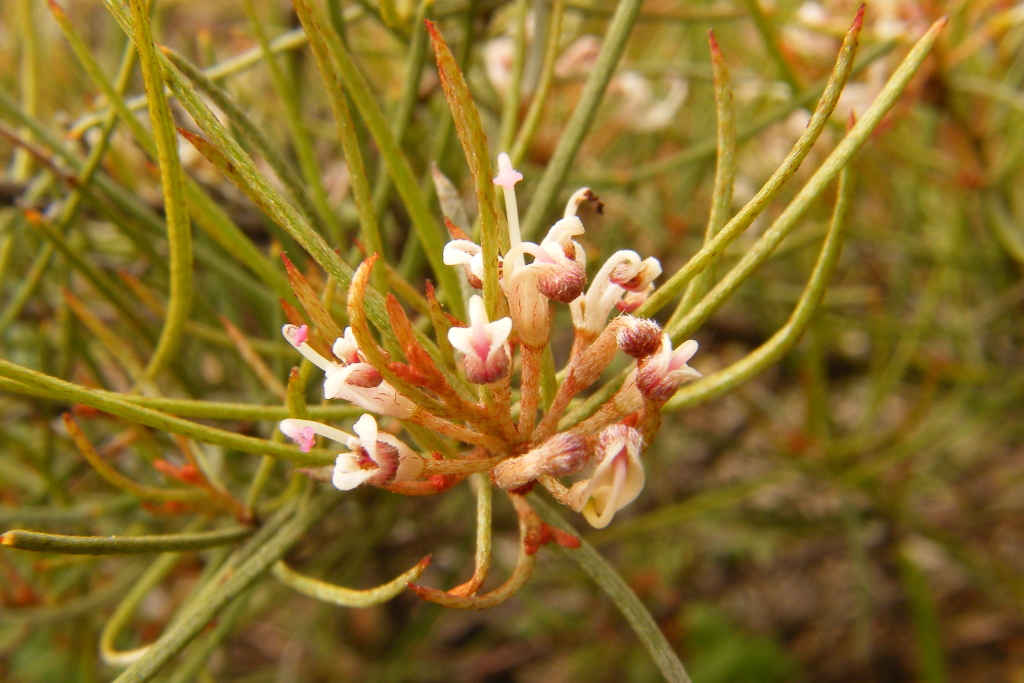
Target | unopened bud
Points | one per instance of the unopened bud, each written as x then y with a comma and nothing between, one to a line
637,337
562,283
529,308
559,456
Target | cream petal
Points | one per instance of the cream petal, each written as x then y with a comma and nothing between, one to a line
347,473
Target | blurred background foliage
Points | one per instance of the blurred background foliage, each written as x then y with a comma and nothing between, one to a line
853,514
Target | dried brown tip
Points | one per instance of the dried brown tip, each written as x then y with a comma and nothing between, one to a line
455,231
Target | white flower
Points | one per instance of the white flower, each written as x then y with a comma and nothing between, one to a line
374,457
623,272
347,349
559,275
361,384
352,379
617,479
484,344
469,255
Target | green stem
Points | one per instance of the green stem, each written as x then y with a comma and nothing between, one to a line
725,177
428,231
120,545
117,622
510,107
405,106
111,403
172,178
825,174
786,338
241,578
532,119
348,136
753,208
251,132
605,576
346,597
705,148
292,40
612,47
296,127
202,410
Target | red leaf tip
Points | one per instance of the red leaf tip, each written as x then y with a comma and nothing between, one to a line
858,21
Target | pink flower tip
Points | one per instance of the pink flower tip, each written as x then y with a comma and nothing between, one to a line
301,335
305,438
507,176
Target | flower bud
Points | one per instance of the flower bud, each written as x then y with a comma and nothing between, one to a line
637,337
561,455
623,272
529,308
661,375
375,458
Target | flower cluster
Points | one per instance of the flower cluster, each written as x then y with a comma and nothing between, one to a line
468,404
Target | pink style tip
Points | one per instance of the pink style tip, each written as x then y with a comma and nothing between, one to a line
301,335
305,439
507,176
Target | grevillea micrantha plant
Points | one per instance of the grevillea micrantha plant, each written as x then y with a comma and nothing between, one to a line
489,408
483,393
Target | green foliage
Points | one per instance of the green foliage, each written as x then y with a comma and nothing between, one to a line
840,492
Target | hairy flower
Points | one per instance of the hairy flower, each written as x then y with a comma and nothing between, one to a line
352,379
361,384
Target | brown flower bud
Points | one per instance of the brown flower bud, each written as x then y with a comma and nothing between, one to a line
563,282
638,337
559,456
